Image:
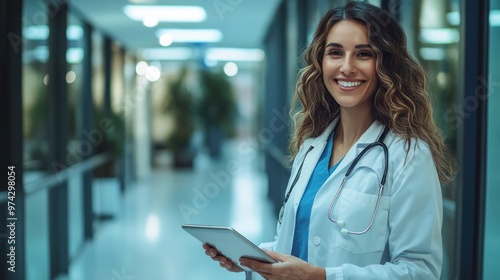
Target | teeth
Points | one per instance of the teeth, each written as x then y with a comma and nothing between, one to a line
349,84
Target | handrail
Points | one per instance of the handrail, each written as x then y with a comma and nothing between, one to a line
63,175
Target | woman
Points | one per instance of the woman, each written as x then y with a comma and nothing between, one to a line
343,218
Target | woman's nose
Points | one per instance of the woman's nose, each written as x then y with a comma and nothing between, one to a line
348,66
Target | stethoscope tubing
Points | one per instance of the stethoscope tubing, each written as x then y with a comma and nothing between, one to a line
381,185
380,143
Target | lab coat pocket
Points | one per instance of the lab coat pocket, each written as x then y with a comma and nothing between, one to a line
355,209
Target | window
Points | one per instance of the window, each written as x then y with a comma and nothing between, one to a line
491,270
433,30
35,91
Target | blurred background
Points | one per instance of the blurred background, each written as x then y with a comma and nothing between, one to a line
124,120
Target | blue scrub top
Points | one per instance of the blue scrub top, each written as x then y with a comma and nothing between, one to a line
318,178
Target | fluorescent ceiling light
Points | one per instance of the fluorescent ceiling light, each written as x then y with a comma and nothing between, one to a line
36,32
212,54
167,54
433,54
192,35
166,13
453,18
439,35
74,32
41,32
74,55
235,54
141,1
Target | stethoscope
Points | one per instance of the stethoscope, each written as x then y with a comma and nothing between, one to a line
340,223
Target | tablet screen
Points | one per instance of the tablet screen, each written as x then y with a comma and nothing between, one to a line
229,243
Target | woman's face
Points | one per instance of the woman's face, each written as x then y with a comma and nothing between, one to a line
349,65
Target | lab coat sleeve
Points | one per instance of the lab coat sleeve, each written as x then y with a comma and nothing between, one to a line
415,220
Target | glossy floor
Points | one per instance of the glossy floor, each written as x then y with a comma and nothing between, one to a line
145,240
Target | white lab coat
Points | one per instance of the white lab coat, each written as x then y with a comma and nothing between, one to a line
404,241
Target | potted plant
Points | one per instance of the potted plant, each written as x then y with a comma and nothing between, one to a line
180,106
217,109
111,127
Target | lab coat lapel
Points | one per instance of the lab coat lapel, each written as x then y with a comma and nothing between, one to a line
310,162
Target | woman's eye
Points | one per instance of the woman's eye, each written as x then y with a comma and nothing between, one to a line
334,52
365,54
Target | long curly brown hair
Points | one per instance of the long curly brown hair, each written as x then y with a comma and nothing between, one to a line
401,101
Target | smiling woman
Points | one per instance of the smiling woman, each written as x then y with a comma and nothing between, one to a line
368,160
349,70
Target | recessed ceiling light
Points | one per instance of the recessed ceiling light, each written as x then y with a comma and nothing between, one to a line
192,35
150,21
231,69
166,13
141,68
166,40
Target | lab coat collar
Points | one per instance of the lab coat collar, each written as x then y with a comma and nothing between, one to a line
371,135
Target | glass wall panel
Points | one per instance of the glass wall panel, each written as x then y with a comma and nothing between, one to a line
492,222
37,236
74,57
35,90
75,215
77,149
433,30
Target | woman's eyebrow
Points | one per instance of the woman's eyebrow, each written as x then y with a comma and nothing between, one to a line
337,45
362,46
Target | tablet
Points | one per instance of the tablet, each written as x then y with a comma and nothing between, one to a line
229,243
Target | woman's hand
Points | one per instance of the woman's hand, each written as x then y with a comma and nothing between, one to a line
223,262
288,267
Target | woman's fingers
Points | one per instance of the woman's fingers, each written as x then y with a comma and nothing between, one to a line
223,261
209,251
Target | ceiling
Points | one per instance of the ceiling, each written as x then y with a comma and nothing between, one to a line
243,23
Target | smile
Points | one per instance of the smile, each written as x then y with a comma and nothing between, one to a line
349,84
